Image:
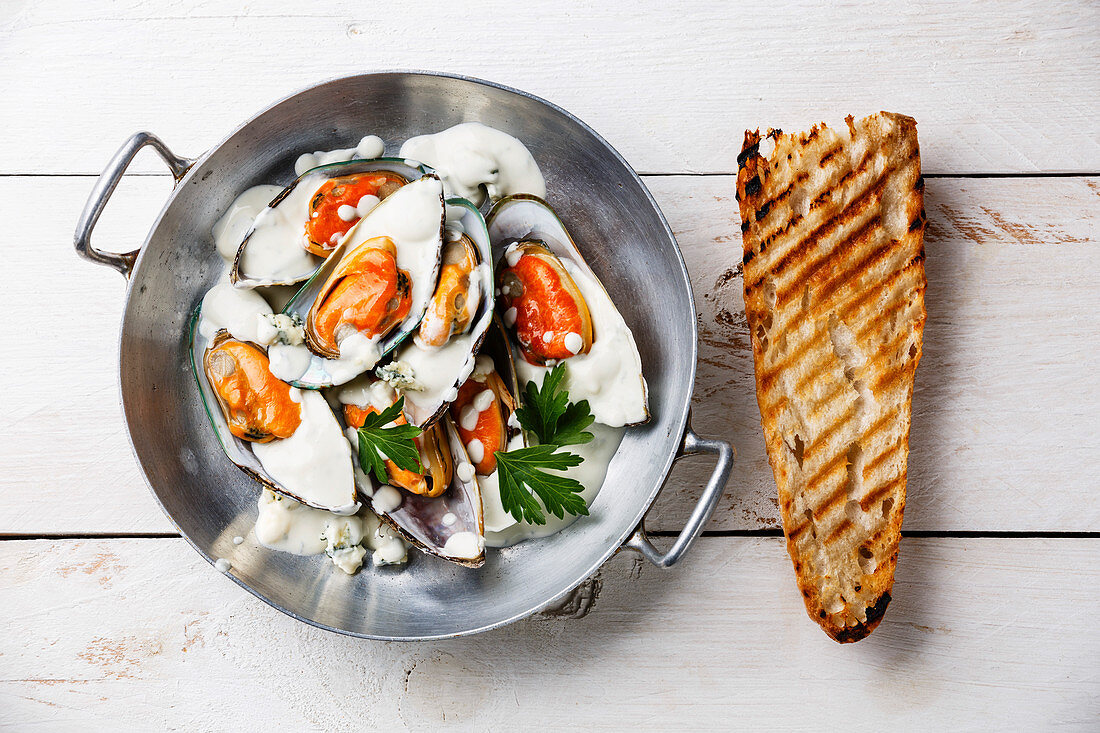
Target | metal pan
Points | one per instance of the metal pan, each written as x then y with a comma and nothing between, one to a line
629,245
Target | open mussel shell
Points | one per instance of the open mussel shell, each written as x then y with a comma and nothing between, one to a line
523,217
276,240
412,217
240,451
450,525
445,368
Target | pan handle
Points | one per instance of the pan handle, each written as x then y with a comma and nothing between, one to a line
106,185
692,444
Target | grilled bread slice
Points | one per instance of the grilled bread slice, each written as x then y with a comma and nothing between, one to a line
833,229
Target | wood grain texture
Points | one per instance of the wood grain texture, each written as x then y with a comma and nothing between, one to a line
1009,86
982,635
1004,426
1004,401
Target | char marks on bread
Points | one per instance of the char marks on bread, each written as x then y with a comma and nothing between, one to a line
833,229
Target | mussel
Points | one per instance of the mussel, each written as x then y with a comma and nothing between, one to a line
301,226
546,288
268,429
439,510
371,292
494,428
481,414
342,201
367,293
546,309
435,459
456,297
483,411
257,406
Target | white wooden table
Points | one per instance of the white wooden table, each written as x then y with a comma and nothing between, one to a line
112,622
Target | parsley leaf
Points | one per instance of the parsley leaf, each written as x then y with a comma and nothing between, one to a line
524,468
397,443
548,414
572,424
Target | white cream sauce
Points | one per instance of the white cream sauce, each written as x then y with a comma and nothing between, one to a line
314,463
230,229
465,472
471,156
287,526
278,328
386,499
275,251
386,543
609,376
289,361
365,392
436,371
358,353
475,449
234,309
369,147
463,545
501,528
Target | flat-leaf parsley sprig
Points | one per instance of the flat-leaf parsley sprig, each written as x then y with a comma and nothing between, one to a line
397,443
548,413
524,468
554,421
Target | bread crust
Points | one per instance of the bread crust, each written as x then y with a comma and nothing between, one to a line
833,232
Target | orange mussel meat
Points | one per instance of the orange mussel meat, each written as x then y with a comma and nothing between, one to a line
490,425
548,306
433,456
255,403
325,226
367,293
450,308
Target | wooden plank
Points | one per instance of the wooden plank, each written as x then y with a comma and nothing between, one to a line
1004,424
996,87
67,462
1004,427
982,634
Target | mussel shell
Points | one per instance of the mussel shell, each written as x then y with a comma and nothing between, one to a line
239,451
317,376
425,412
419,519
525,217
330,170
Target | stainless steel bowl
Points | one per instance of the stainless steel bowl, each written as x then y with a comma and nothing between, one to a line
626,240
